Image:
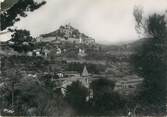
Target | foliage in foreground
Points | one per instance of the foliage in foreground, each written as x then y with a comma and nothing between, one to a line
150,61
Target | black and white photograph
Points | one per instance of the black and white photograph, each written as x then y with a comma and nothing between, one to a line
83,58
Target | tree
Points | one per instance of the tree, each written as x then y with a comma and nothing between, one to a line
22,41
30,94
10,79
150,62
138,15
104,97
9,17
76,95
154,26
57,106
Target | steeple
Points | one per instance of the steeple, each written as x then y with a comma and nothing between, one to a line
85,72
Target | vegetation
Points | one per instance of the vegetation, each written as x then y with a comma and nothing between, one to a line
100,99
150,61
26,91
76,95
10,16
21,41
105,99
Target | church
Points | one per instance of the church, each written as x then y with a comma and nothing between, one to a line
83,78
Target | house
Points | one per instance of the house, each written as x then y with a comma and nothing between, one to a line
88,41
43,52
80,39
58,51
30,53
60,75
37,52
81,52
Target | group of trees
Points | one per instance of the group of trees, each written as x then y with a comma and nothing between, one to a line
149,61
22,41
99,99
20,92
76,95
105,99
29,96
24,91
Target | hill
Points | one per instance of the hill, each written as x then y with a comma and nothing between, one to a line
67,33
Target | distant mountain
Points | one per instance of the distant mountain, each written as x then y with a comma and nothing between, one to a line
124,49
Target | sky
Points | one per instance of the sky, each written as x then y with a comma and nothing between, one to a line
107,21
